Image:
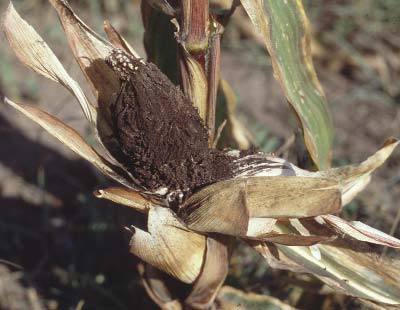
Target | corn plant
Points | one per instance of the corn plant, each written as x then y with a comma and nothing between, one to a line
168,134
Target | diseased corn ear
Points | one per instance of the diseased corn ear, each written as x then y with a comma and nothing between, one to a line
33,52
169,246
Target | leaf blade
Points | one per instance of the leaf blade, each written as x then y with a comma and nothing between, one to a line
284,27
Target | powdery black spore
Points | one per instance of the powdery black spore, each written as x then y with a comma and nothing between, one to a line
160,132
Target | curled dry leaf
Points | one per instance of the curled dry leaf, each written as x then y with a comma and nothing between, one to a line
117,40
158,291
126,197
89,50
71,138
354,178
212,275
32,51
234,134
361,231
169,246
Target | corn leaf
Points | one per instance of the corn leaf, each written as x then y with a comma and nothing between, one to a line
347,267
284,27
230,298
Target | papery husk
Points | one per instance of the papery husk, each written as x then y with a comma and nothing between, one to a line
126,197
227,206
195,84
33,52
169,246
260,225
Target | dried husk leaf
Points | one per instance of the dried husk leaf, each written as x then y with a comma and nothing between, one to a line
71,138
169,245
351,179
354,178
260,225
33,51
226,206
195,84
361,231
230,298
89,50
117,40
126,197
156,288
213,274
234,133
291,239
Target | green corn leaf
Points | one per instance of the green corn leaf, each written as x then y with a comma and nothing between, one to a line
284,27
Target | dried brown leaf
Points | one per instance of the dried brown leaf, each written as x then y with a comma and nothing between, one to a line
169,245
117,40
70,137
33,51
360,231
212,275
126,197
89,50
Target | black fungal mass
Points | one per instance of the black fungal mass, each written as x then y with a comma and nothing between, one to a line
162,137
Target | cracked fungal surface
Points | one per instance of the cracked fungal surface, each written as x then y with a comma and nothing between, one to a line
162,137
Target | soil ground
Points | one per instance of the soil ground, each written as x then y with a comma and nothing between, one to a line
61,248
